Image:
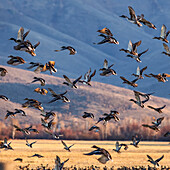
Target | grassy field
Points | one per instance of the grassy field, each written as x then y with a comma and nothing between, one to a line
50,148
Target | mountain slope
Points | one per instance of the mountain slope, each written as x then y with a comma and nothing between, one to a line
57,23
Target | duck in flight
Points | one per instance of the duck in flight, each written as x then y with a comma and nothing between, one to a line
90,115
105,31
38,65
21,36
138,100
49,66
133,18
58,96
58,164
47,125
71,49
47,115
155,125
105,155
155,162
30,144
95,128
41,80
27,47
131,83
167,49
106,70
15,60
137,58
160,77
139,72
32,103
107,39
87,77
135,141
164,34
158,109
132,48
70,83
3,71
119,146
66,147
4,97
41,91
145,22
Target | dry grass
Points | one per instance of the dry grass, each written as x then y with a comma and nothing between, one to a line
50,148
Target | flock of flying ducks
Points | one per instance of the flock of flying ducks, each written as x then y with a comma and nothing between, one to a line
140,98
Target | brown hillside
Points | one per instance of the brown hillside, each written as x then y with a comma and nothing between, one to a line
98,99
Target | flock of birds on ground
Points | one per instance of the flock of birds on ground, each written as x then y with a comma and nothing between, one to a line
140,98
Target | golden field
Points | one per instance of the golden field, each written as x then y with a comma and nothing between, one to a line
50,148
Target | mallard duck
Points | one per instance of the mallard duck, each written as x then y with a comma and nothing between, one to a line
27,47
105,155
153,127
164,34
9,113
135,141
21,36
133,18
119,146
71,49
107,39
54,135
90,115
155,162
158,121
131,83
105,31
15,60
41,91
66,147
30,144
70,83
87,77
107,117
47,125
160,77
166,49
33,129
36,155
22,112
18,159
49,66
106,70
48,115
96,128
145,22
138,99
6,145
41,80
58,164
32,103
25,131
132,48
137,58
4,97
38,65
3,71
58,96
139,72
159,109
